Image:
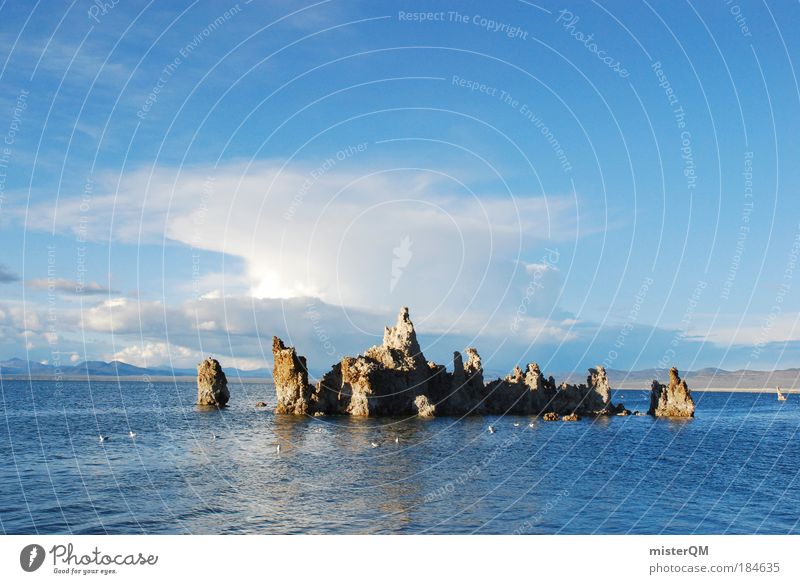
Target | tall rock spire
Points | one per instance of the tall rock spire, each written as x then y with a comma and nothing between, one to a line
402,337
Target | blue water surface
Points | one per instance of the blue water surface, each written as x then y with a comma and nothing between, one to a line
732,469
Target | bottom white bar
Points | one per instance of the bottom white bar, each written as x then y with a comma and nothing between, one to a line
402,559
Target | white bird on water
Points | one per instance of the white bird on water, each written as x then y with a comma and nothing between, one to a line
278,449
516,424
531,425
374,444
396,440
103,438
491,430
132,434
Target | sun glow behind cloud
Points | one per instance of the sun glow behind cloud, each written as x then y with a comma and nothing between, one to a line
335,239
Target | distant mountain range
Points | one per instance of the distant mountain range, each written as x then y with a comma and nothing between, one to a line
708,378
21,368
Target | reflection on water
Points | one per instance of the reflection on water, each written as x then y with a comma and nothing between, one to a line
733,469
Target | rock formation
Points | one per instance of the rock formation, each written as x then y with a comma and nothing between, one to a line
212,385
673,401
424,407
394,378
461,392
591,398
520,392
291,379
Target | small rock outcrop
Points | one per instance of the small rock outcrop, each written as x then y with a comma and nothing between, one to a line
212,385
394,378
424,407
672,401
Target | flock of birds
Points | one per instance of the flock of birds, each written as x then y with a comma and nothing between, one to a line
103,438
132,435
491,429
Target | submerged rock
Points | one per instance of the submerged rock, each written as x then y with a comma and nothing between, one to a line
674,400
212,385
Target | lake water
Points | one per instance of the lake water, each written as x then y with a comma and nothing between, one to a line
732,469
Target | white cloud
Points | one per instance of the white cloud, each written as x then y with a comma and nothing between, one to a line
538,267
155,353
332,235
754,329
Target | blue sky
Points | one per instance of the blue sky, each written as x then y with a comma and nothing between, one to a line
570,183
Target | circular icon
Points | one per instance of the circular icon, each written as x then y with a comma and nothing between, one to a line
31,557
